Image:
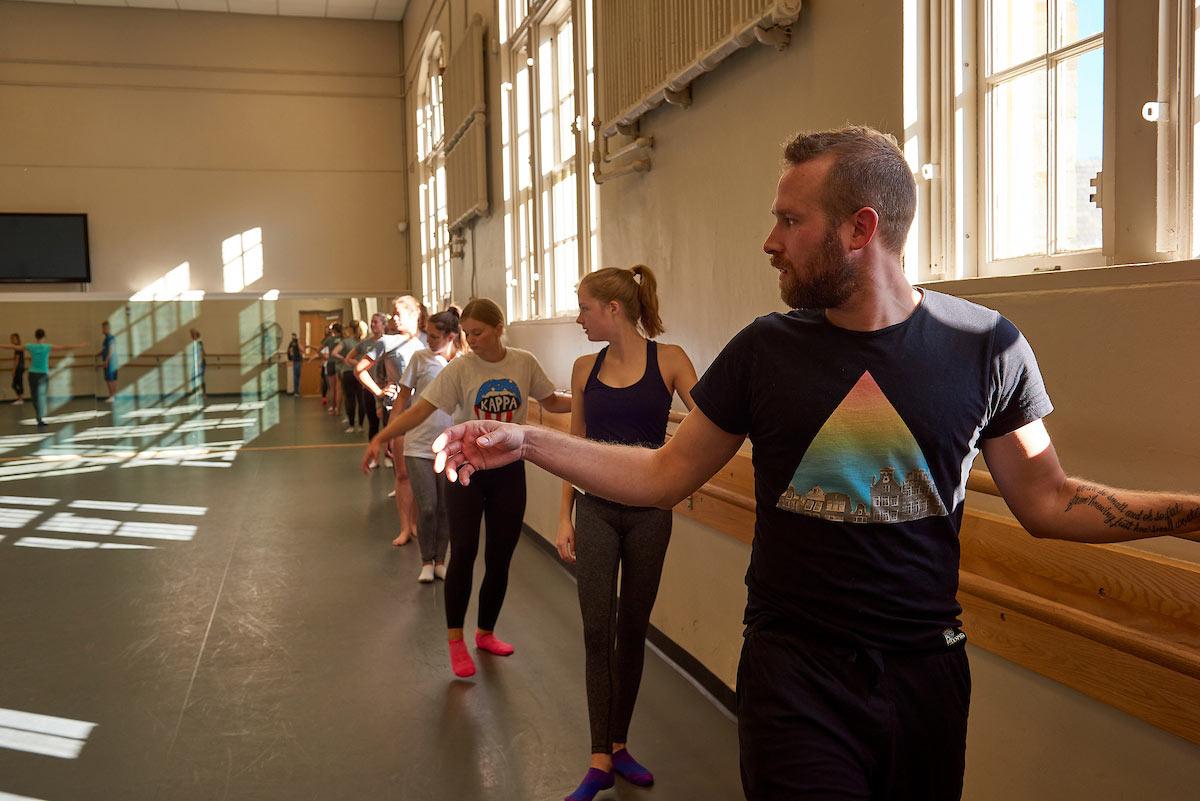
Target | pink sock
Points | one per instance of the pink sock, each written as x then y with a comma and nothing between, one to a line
492,644
460,659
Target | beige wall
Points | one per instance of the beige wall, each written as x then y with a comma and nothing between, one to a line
174,131
1116,358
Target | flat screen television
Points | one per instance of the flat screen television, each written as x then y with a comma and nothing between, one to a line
44,248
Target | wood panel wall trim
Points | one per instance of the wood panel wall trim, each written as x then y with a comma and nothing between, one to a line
1120,625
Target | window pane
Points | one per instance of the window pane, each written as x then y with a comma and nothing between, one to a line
566,117
1018,166
1018,31
1079,19
1080,148
547,161
566,276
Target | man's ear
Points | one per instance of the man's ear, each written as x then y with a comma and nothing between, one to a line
863,224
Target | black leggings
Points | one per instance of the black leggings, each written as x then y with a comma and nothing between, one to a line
367,400
497,497
353,397
18,383
608,535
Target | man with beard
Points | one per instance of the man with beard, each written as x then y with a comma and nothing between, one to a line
866,406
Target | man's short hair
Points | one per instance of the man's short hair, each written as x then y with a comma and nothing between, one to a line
868,170
39,334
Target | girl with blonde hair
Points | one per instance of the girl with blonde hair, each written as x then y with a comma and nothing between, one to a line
622,394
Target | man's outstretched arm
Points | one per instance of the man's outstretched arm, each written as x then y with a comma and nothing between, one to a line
1051,504
634,476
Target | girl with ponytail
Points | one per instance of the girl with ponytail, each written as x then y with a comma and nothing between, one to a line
621,394
444,342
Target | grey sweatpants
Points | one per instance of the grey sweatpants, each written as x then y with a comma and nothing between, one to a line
609,535
429,493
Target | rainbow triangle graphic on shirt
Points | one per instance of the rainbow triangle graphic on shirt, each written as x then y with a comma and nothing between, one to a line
864,466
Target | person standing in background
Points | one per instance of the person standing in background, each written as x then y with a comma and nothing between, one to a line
18,381
444,333
295,355
108,360
394,350
346,354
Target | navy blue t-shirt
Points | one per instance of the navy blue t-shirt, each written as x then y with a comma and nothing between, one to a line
863,442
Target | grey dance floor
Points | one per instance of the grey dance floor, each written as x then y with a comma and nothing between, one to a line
265,641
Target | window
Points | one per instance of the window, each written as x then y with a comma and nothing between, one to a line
1043,115
1006,124
431,180
550,202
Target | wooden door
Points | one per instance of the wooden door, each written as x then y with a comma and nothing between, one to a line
312,331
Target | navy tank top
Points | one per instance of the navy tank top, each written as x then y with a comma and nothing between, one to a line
633,415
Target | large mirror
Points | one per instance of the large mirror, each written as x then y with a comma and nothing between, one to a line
157,381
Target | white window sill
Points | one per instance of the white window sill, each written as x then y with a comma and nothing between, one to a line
1166,272
560,320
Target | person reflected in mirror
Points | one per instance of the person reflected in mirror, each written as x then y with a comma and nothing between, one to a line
18,369
108,360
197,365
39,370
295,357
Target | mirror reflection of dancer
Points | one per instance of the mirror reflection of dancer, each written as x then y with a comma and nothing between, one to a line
39,369
394,350
295,356
444,340
864,405
108,360
197,364
18,369
492,382
623,395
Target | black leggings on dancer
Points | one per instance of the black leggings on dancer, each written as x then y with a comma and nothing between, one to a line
609,534
352,392
498,498
367,401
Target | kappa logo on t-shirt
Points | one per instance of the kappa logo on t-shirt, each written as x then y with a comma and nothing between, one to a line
864,466
497,399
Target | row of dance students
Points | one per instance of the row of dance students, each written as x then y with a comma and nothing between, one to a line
621,394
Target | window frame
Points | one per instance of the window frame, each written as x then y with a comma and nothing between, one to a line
531,274
432,218
1052,259
946,139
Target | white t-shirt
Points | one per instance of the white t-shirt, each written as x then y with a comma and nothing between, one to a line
474,389
394,352
422,369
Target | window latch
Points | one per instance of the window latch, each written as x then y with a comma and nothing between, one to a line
1096,195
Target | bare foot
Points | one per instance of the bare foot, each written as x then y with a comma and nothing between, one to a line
402,538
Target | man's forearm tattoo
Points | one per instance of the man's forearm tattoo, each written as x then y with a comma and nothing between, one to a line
1118,514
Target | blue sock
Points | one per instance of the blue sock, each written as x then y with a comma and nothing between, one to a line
631,770
595,781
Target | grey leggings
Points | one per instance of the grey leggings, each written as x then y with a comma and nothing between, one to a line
609,534
429,492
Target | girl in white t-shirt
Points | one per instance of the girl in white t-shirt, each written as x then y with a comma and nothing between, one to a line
491,382
444,334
